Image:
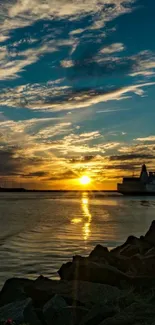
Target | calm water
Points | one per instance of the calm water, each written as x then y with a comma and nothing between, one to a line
38,232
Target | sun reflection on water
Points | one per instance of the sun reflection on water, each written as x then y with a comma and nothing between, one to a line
76,220
87,216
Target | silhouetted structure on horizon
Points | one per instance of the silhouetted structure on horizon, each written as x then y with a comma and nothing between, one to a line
142,185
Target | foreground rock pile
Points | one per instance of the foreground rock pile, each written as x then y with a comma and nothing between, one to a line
114,287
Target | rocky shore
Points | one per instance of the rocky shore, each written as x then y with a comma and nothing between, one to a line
114,287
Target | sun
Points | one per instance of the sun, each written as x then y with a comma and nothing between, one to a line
85,180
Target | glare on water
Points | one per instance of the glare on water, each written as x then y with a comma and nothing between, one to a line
39,232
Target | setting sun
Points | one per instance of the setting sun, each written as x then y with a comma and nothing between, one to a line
84,180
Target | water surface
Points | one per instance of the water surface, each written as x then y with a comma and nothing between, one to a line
40,231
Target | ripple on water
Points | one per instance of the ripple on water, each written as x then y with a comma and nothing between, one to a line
39,233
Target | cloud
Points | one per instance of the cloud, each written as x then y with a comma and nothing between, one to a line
82,159
9,165
110,145
12,63
38,174
27,11
77,31
52,131
47,97
113,48
66,175
3,38
132,157
144,64
150,138
13,163
67,63
77,144
23,132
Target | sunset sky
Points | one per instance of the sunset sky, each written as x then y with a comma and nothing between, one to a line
77,91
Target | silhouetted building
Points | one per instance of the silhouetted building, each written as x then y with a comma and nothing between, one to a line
143,185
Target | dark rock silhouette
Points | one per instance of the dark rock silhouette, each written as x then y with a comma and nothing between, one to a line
86,270
150,235
21,312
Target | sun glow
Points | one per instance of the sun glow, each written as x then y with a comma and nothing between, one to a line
84,180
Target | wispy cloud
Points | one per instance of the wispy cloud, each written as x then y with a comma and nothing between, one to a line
150,138
113,48
12,63
47,97
144,64
31,10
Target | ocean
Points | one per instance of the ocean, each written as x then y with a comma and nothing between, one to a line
40,231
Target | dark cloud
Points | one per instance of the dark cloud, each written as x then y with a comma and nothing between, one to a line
77,96
37,174
131,157
84,159
9,164
127,167
64,176
13,164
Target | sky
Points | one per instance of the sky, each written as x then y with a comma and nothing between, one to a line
77,92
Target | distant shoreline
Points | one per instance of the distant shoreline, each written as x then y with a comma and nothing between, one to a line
23,190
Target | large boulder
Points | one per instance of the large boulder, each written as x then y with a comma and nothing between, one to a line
143,283
98,314
132,246
20,312
146,266
131,240
38,292
150,235
53,306
66,315
13,290
101,255
135,314
150,252
134,265
99,252
85,270
85,293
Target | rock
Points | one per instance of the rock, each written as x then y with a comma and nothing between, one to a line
136,314
142,283
13,290
139,265
98,252
132,246
86,293
54,304
150,252
20,312
131,240
65,269
147,266
66,315
86,270
150,235
135,265
38,295
98,314
101,255
130,250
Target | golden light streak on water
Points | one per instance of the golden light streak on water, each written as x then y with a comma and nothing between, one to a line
87,216
76,220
